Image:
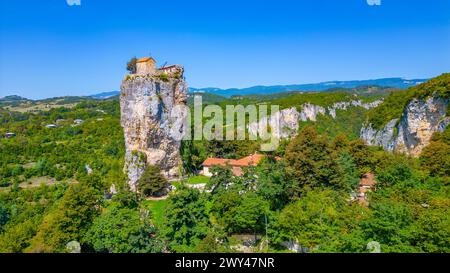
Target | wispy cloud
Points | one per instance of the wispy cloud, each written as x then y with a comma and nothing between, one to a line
73,2
374,2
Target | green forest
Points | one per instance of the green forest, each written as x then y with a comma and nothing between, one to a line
55,185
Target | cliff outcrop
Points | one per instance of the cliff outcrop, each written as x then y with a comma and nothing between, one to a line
147,103
289,118
413,130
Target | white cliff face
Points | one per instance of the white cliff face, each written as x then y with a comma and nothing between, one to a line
147,105
311,111
289,118
419,122
288,123
420,119
384,137
355,103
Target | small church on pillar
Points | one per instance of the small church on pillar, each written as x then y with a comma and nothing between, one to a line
147,66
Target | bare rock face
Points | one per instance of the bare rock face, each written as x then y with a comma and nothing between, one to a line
355,103
147,103
310,112
410,134
383,138
289,119
419,122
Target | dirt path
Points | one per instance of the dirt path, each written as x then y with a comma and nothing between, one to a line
157,198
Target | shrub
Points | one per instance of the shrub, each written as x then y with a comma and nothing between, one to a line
131,65
436,156
120,230
151,181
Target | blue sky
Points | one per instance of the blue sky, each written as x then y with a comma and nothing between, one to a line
48,48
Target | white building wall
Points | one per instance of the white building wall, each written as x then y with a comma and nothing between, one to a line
206,172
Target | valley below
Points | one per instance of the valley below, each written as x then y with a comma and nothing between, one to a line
355,166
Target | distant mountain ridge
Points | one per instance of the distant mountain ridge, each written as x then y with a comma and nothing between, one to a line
105,95
13,98
19,99
398,83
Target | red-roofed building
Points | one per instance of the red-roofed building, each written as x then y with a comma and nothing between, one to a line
235,164
172,69
249,161
366,184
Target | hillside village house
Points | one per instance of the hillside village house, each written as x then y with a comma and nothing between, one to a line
367,184
78,121
10,135
236,165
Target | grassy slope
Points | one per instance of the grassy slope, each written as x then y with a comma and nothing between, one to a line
157,209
